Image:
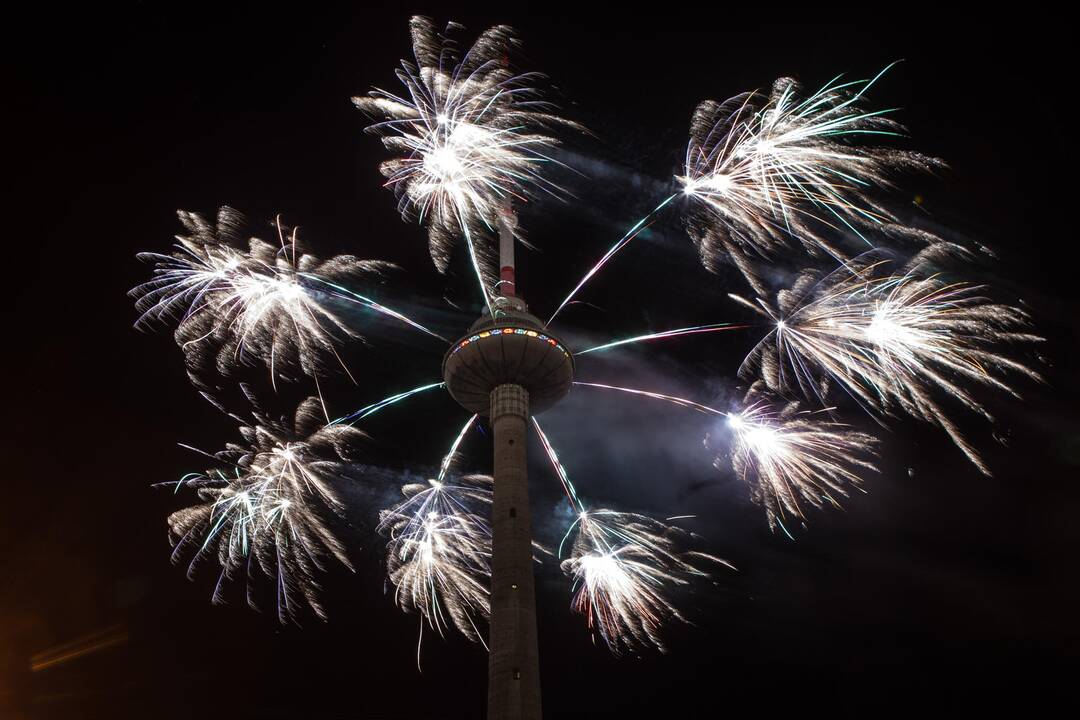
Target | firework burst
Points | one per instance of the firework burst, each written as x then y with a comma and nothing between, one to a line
892,341
266,510
471,136
439,552
788,458
233,305
624,569
792,459
439,549
767,169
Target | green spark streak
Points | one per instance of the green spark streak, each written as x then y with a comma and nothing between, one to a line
475,263
716,327
567,534
393,399
449,458
658,396
623,241
568,486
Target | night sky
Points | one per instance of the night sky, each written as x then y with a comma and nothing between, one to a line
939,589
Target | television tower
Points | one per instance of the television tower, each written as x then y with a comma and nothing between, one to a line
507,368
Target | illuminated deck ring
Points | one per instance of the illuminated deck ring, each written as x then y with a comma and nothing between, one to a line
514,349
510,331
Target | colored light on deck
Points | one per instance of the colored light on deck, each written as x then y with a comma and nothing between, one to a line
511,331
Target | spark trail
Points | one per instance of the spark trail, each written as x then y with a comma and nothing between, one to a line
622,242
451,455
564,478
349,295
656,396
385,402
695,330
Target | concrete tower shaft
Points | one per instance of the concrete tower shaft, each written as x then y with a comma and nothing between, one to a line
508,367
513,662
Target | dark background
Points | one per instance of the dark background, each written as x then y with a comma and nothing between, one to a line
940,589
